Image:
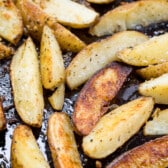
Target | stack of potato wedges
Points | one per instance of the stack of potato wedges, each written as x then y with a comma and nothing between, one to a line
35,35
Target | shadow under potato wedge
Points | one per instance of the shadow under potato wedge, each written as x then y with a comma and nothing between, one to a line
128,15
34,20
94,98
26,84
25,152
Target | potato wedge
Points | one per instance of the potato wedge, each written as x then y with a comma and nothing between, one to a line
156,88
5,51
35,19
100,1
11,25
26,84
116,127
129,15
62,142
57,98
98,54
2,118
158,125
25,152
51,60
69,13
152,51
96,95
152,154
153,71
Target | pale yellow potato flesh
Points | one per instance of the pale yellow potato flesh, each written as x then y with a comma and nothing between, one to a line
5,51
57,98
116,127
100,1
69,13
152,51
2,118
35,18
129,15
26,84
153,71
51,60
156,88
11,25
62,142
158,125
98,54
25,152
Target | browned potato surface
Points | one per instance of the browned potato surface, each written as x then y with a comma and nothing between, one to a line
117,127
153,71
62,142
11,26
129,15
51,60
25,152
5,51
34,19
95,96
152,154
26,84
2,118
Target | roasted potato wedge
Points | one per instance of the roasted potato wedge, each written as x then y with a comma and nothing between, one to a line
100,1
158,125
129,15
152,51
151,154
51,60
69,13
98,54
2,118
57,98
25,152
5,51
116,127
96,95
26,84
11,25
62,142
34,19
156,88
153,71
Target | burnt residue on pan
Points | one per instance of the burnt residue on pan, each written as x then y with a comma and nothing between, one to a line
127,93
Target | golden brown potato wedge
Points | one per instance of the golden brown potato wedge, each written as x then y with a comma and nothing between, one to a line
51,60
116,127
152,154
35,19
26,84
25,152
11,26
98,54
152,51
153,71
100,1
5,51
96,95
2,118
62,142
158,125
69,13
57,98
156,88
129,15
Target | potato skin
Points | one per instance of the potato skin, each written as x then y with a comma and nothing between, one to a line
5,51
96,95
2,118
152,154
